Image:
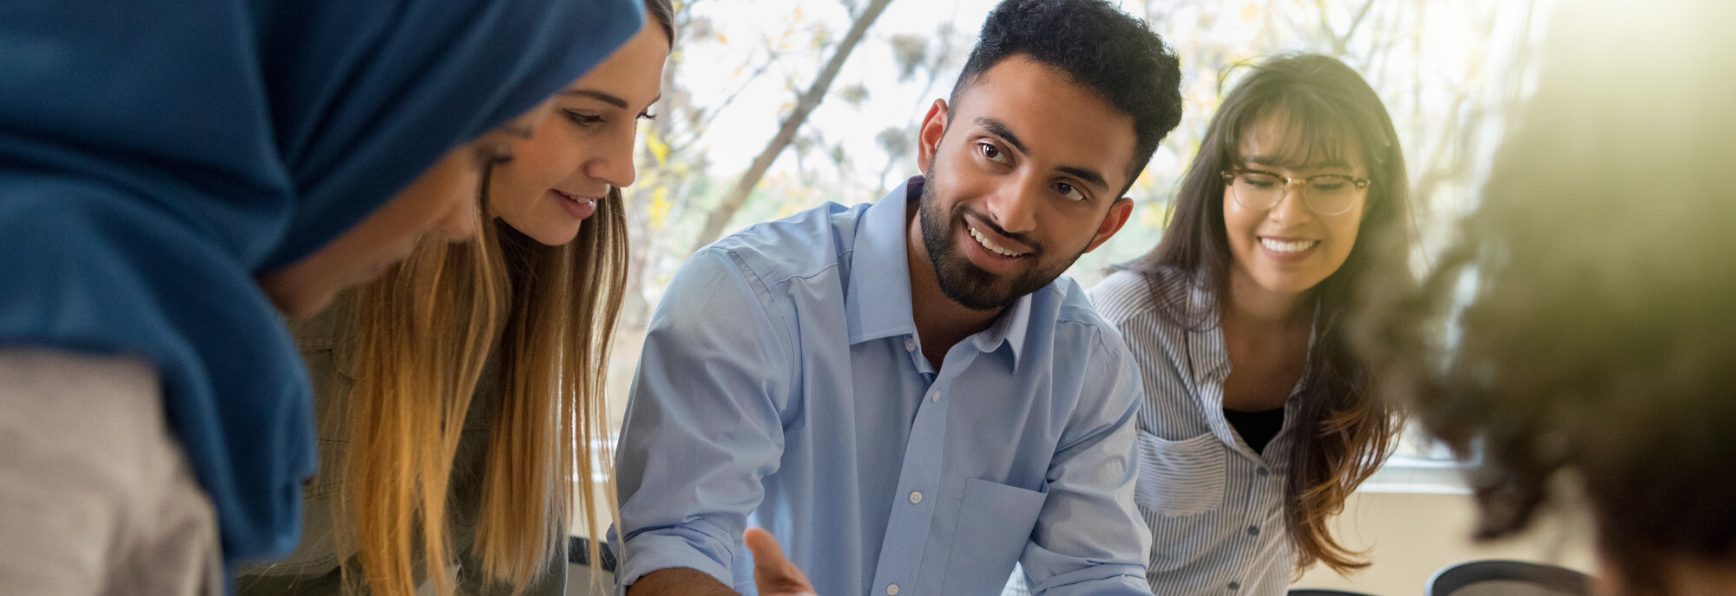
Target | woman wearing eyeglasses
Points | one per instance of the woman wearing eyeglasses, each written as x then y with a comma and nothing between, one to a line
1257,422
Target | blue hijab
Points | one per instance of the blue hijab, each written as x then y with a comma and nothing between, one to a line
155,157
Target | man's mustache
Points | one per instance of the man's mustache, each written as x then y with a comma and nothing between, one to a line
1025,239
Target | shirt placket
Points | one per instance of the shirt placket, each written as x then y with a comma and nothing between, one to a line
1264,491
1253,520
919,477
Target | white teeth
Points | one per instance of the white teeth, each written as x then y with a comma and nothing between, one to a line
1291,247
575,198
991,246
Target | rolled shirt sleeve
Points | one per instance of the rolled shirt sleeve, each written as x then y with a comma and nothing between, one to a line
702,426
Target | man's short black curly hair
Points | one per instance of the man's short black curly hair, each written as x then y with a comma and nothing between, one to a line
1100,48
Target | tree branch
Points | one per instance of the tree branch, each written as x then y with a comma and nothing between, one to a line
738,195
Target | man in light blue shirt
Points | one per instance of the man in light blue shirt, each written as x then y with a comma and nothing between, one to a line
907,395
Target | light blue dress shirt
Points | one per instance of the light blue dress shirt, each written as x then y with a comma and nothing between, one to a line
783,385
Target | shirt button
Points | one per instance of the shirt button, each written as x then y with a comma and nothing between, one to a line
1253,530
1235,586
909,344
915,497
892,590
1262,472
935,396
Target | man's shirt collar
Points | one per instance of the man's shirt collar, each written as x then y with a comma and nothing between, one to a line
878,303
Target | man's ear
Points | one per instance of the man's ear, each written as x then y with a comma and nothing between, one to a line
928,137
1117,217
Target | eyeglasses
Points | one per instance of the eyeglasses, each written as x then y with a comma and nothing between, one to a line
1326,194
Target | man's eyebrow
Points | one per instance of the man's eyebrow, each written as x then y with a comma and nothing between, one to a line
597,95
995,127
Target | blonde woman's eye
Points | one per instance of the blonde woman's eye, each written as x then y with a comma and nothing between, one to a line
583,120
991,152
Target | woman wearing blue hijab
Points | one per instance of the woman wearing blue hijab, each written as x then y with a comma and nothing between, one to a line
156,159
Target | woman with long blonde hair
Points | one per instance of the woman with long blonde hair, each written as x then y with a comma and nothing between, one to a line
460,396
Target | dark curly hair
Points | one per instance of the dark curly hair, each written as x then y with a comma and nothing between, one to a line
1099,48
1584,326
1345,432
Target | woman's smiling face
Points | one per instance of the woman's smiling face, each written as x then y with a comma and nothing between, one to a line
584,147
1290,248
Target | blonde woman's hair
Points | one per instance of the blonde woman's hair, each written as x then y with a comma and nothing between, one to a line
424,333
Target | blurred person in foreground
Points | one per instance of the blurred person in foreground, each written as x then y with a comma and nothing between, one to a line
1579,338
907,395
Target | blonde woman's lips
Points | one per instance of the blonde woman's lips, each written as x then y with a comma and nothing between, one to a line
576,206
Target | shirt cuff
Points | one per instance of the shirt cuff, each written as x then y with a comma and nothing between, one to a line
1115,580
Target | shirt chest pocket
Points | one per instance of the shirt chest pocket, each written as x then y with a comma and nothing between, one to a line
994,525
1178,478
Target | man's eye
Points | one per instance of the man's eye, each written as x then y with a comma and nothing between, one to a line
1069,191
991,152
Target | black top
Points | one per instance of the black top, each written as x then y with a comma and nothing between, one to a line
1257,428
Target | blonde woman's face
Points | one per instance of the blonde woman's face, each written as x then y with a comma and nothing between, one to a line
585,146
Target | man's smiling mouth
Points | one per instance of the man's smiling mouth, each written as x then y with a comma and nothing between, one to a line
990,245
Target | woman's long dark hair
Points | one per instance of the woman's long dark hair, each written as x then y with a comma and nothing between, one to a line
1344,432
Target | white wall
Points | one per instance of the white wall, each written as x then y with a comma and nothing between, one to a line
1413,535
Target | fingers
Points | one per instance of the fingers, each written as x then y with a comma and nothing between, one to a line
774,575
765,548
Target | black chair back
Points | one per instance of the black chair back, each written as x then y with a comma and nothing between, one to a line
1508,578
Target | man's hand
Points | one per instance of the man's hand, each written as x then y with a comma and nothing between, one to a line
774,575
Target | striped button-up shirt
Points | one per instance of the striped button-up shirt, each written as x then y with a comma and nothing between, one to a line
1214,506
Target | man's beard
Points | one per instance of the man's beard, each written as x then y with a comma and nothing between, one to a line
963,281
